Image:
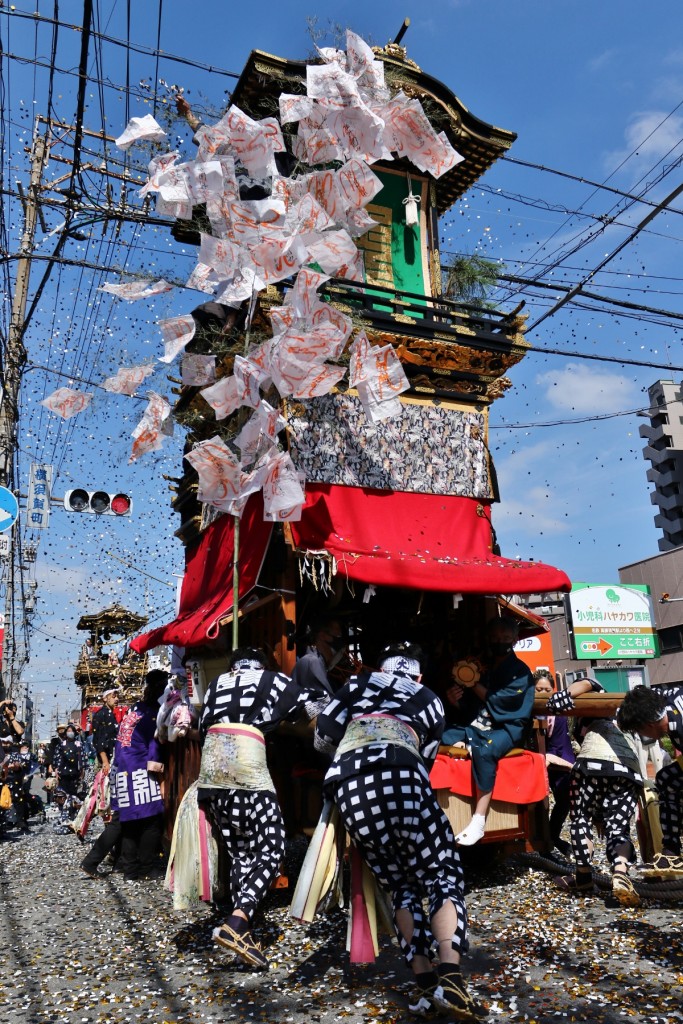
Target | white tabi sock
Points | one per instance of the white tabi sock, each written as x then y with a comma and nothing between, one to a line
474,831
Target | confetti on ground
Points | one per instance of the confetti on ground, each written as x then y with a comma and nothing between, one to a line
77,951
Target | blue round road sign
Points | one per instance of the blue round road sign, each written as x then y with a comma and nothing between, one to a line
9,509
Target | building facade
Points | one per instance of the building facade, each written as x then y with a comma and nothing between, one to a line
663,573
664,451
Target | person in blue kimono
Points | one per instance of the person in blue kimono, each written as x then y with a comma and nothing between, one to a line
499,707
135,789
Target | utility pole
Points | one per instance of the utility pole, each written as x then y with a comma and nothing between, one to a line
14,359
37,704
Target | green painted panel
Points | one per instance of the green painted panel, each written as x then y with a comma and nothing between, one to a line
395,254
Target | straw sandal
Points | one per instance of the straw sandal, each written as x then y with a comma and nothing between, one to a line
624,890
667,865
243,945
452,996
422,1006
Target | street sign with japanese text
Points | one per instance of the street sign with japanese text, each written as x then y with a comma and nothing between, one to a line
38,503
613,622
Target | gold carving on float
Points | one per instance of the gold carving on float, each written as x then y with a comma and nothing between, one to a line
453,357
498,387
435,271
376,244
270,69
396,52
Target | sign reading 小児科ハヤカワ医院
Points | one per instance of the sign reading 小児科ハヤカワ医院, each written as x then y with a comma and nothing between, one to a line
612,621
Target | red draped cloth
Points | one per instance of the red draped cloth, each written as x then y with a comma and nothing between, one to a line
520,779
206,595
388,538
421,541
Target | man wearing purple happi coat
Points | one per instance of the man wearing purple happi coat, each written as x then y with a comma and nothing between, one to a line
135,778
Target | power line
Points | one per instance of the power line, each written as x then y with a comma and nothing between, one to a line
577,289
567,422
599,218
126,44
505,260
584,181
131,565
591,236
608,259
71,376
621,360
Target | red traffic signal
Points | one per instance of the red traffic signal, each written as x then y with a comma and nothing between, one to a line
99,503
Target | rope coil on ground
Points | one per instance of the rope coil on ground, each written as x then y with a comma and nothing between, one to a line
669,889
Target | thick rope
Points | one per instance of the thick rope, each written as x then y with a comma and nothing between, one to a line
670,889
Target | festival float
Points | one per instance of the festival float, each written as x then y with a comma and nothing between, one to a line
336,401
100,667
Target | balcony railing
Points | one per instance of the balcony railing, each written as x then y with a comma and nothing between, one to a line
423,316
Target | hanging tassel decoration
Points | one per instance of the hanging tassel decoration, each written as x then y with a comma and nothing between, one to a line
410,203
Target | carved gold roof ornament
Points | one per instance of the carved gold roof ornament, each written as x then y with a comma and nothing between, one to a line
396,52
394,49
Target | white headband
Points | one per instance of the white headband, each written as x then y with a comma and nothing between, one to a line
401,665
246,663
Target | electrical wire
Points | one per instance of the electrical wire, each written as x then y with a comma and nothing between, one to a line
610,256
156,66
570,421
603,187
580,242
134,47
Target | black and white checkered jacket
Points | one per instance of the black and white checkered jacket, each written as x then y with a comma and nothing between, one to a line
253,696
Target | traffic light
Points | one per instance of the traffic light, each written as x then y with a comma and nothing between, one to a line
99,503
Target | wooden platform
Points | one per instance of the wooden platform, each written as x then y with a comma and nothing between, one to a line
504,821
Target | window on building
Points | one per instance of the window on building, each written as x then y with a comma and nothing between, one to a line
671,639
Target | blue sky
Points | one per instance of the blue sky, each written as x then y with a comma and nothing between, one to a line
591,89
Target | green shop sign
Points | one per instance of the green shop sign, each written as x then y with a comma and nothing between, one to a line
612,622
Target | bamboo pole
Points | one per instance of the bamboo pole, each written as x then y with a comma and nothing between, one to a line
236,519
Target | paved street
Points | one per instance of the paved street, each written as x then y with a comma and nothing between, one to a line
75,950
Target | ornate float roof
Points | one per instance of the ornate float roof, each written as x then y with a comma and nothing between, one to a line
116,620
265,76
